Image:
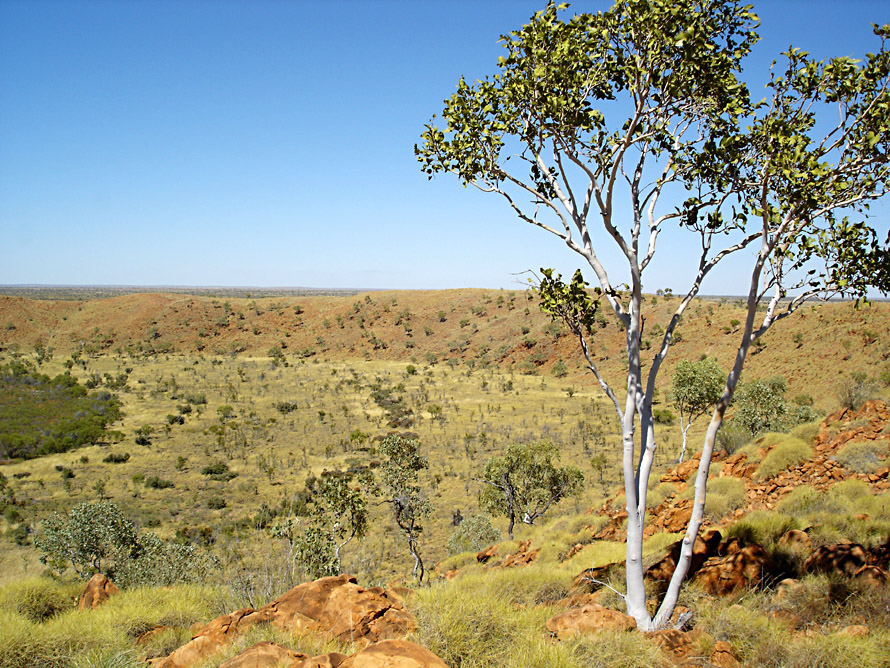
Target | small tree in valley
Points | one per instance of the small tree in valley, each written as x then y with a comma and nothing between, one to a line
339,514
524,483
645,99
399,470
697,387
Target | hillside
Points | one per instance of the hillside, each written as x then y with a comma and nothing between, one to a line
811,350
234,408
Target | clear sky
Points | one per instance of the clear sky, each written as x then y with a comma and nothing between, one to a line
270,143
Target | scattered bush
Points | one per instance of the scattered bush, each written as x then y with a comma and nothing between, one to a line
725,494
219,471
732,437
790,452
473,534
216,503
155,482
863,457
856,390
116,457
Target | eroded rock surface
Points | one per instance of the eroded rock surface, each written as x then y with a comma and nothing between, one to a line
335,606
98,590
587,619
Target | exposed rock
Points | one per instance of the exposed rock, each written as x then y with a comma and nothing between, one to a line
855,630
523,556
722,656
724,575
98,590
703,549
874,575
785,590
334,606
589,618
394,654
271,655
576,548
677,643
590,578
843,558
489,552
796,539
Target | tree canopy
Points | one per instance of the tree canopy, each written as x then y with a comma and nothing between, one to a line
608,129
524,483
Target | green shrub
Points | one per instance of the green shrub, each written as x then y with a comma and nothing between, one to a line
855,390
116,457
732,437
656,495
216,503
789,452
155,482
863,457
37,599
807,431
473,534
724,495
763,527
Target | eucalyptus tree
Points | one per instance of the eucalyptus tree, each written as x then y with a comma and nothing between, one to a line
401,488
524,483
609,130
697,387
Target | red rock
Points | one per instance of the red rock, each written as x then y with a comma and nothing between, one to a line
589,618
704,548
334,606
98,590
677,643
724,575
796,539
523,556
267,655
874,575
844,558
722,656
486,554
394,654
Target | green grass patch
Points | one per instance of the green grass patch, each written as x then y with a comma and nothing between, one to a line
863,457
787,452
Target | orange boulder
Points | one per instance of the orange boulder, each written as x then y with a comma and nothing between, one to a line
394,654
587,619
98,590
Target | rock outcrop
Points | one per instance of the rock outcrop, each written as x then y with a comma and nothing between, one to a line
98,590
336,607
724,575
588,619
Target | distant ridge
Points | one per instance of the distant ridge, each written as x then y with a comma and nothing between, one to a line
84,292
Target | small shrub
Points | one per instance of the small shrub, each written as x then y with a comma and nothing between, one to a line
659,493
863,457
724,495
218,471
216,503
856,390
763,527
155,482
116,457
473,534
806,432
36,599
790,452
663,416
732,437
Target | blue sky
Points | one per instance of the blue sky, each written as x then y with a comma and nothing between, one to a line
266,143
